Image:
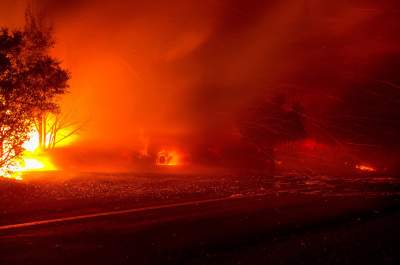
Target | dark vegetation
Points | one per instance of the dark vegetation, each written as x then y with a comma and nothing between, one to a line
30,81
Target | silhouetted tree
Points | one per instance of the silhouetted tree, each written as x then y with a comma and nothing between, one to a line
270,122
30,81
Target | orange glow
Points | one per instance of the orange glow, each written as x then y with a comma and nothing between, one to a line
63,138
168,158
30,162
33,142
37,163
186,75
13,175
34,158
365,168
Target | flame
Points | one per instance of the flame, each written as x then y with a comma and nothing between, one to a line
37,163
365,168
34,158
12,175
30,162
62,139
168,158
32,144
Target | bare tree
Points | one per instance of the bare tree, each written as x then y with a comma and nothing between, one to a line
56,128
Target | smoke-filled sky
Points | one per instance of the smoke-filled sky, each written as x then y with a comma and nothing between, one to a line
177,69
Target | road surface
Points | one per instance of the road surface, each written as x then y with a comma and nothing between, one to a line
279,229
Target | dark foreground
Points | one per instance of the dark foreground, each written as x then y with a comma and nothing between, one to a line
344,225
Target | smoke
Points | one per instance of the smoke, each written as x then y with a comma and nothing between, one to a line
179,72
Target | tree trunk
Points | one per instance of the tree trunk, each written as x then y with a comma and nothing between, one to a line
1,151
44,120
40,129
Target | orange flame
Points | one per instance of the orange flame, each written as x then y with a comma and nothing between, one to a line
168,158
365,168
33,158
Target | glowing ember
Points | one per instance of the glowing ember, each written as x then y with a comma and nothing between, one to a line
365,168
168,158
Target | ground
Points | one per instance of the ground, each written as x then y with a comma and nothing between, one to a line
200,219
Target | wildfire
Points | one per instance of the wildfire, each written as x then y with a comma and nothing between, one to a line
34,157
38,163
168,158
32,144
29,163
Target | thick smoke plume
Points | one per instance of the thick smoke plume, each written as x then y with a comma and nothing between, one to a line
160,74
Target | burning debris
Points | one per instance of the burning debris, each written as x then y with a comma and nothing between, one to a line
168,158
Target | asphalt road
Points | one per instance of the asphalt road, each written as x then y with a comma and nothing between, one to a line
287,229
